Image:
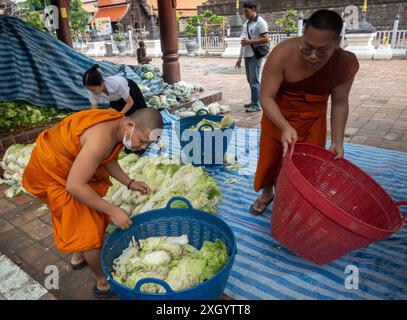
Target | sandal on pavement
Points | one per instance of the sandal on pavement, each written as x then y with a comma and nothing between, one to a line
253,109
103,294
261,203
78,266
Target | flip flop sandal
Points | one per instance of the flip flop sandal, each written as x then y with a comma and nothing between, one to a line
78,266
252,109
103,294
256,212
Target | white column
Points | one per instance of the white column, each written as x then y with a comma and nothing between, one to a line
199,37
300,24
395,29
132,51
343,34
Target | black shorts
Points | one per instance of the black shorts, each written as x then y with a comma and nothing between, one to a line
138,99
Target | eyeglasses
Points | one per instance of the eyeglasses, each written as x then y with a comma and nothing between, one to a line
307,50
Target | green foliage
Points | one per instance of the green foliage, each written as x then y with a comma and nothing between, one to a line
19,114
78,16
119,35
207,18
36,5
34,19
288,22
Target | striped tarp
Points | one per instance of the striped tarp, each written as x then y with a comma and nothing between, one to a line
37,68
265,270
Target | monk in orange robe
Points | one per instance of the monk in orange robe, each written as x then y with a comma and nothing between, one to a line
69,170
298,78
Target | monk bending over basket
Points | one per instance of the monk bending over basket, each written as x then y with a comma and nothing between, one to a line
298,78
69,170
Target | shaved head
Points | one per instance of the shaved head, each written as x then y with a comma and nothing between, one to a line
147,119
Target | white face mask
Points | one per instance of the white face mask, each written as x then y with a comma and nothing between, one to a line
127,142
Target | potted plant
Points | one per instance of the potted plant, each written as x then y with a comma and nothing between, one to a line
190,33
120,39
190,44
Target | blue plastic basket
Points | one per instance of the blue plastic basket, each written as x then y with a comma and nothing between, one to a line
208,157
196,224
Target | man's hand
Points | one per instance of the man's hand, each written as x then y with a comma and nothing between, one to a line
238,63
337,150
140,186
120,219
288,137
246,42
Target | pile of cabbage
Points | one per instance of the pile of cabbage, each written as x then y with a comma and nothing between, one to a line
173,95
160,95
167,178
226,122
13,163
213,109
19,114
171,259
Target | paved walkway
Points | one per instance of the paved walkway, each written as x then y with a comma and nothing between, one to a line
15,284
378,117
378,100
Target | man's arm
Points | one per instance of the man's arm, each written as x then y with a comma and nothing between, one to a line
117,172
273,76
82,170
262,40
93,101
339,116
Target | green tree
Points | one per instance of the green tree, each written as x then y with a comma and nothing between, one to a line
288,22
78,16
207,18
36,5
34,19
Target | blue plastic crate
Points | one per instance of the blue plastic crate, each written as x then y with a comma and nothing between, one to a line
207,157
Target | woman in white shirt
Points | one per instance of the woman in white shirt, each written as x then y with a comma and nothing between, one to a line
123,94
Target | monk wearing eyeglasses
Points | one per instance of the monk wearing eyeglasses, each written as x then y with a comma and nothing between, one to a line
298,78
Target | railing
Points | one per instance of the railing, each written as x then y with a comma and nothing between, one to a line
210,44
385,37
213,44
276,38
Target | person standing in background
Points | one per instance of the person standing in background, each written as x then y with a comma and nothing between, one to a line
254,33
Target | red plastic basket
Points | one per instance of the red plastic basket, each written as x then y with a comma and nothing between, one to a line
325,208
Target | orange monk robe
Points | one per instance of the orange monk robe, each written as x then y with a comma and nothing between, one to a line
304,105
76,226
